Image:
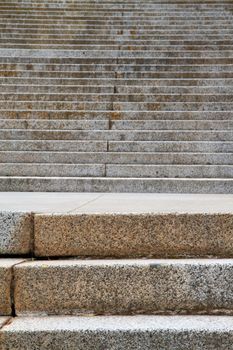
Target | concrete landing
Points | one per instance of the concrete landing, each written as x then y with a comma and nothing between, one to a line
115,203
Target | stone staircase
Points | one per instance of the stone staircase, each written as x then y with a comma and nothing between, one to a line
137,278
116,96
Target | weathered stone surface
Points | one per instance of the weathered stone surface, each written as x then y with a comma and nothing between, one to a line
103,184
16,233
124,287
41,169
131,235
118,333
6,278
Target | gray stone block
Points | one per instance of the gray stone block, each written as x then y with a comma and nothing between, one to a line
50,145
170,146
40,169
6,278
103,184
16,233
134,235
124,287
127,158
54,124
169,171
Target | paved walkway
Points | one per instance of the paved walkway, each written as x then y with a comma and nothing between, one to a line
115,202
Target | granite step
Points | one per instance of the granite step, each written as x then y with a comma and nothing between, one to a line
6,274
159,146
117,146
20,90
100,232
108,67
52,146
119,332
93,74
118,14
96,105
41,100
193,82
144,61
123,39
71,44
95,157
116,135
112,34
103,184
152,51
65,124
86,12
73,124
166,171
124,54
116,67
122,21
104,27
163,286
115,115
80,89
161,124
57,170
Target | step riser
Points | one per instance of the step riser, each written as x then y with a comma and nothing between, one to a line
34,67
14,92
116,54
116,106
46,184
134,146
115,125
172,50
117,158
68,146
117,115
121,61
60,125
162,286
118,146
116,135
58,170
116,82
170,236
111,75
168,171
41,99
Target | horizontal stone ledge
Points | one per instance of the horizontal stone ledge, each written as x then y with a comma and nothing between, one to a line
103,184
20,53
125,332
124,287
134,235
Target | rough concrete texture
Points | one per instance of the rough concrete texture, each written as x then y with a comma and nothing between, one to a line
134,235
124,287
118,333
6,278
16,233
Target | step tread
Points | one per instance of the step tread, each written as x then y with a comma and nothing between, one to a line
128,332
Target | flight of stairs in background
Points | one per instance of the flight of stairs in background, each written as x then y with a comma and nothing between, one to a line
131,96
